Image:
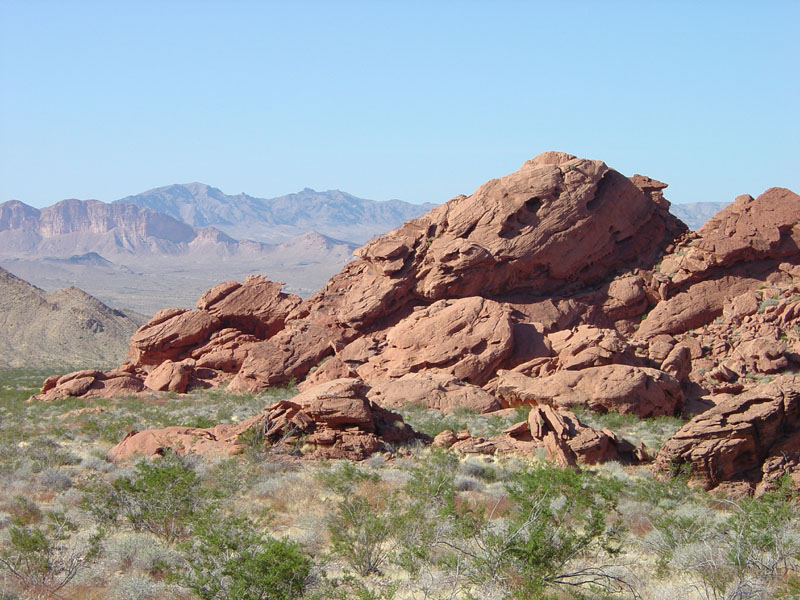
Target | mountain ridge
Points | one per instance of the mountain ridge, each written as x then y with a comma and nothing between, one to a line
333,213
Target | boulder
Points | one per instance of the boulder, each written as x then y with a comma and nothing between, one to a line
170,376
434,391
445,439
221,440
556,226
625,389
588,346
332,368
568,441
171,335
90,384
256,306
678,362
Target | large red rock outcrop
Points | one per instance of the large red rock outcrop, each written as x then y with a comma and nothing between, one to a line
557,225
443,293
735,251
746,439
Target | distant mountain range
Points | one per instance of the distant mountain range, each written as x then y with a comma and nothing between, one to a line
131,255
695,214
332,213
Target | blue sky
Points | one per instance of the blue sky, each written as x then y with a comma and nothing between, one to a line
413,100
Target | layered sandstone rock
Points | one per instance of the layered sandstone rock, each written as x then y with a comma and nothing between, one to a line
466,338
749,438
91,384
733,253
433,390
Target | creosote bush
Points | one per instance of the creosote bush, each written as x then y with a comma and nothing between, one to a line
44,558
228,560
162,497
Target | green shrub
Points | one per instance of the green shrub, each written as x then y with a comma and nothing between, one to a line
361,531
767,302
560,515
42,558
228,560
163,497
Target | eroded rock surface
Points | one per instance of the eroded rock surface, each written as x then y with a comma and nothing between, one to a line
641,391
747,438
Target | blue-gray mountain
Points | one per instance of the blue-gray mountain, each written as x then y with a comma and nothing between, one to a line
695,214
332,213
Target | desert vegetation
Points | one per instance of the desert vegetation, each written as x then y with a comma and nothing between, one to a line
424,523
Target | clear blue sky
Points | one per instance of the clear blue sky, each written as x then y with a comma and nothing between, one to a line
413,100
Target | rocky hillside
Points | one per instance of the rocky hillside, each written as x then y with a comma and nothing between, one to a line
564,285
332,213
65,328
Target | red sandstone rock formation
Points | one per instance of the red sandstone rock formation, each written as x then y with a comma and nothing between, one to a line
433,390
641,391
744,441
734,252
566,440
543,288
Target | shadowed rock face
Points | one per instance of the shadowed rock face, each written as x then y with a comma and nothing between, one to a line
543,289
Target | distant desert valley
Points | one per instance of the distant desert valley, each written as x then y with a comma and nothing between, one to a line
167,245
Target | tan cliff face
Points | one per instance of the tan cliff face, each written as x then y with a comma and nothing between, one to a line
73,226
562,285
